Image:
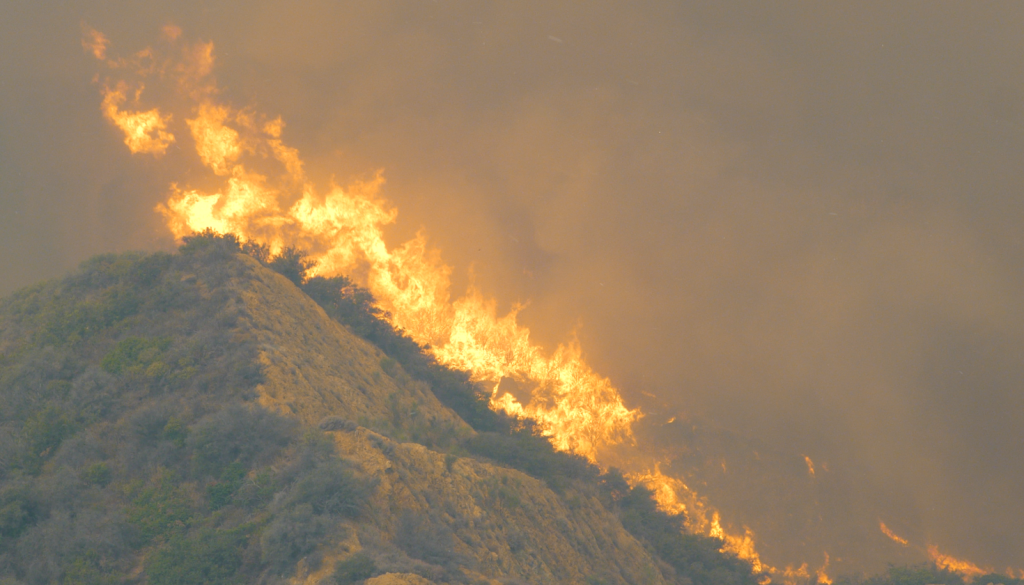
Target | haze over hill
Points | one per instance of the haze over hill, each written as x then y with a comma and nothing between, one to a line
799,221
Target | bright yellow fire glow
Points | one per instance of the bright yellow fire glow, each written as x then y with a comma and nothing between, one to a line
822,573
217,145
144,132
670,493
741,545
342,232
264,195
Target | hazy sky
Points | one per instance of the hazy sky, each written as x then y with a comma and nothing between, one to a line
799,220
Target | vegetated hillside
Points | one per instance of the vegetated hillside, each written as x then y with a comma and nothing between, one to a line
200,418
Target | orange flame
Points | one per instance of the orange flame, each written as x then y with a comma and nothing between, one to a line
810,465
822,574
143,131
966,569
265,196
673,496
741,546
342,231
892,536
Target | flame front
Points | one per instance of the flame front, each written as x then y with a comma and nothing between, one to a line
967,569
342,232
673,496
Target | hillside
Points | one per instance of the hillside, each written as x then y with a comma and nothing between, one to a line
200,418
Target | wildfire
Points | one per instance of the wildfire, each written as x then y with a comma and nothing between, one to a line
966,569
265,196
342,232
892,536
143,131
675,497
741,546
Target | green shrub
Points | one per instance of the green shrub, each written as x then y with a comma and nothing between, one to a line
256,491
97,474
88,569
42,434
161,508
136,354
175,431
534,455
237,433
354,569
218,494
72,314
19,509
293,534
428,540
332,488
292,264
209,242
210,557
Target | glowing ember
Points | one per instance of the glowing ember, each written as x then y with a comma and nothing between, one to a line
892,536
810,465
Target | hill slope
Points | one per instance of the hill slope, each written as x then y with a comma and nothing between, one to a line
197,418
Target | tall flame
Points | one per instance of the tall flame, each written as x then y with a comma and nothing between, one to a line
342,232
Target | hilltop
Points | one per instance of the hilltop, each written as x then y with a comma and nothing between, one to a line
212,416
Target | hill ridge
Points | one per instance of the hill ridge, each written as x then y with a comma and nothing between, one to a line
197,417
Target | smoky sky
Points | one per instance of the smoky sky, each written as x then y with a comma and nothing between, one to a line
800,221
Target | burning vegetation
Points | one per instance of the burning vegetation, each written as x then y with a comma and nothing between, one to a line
262,194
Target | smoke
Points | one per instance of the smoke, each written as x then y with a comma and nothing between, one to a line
798,222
